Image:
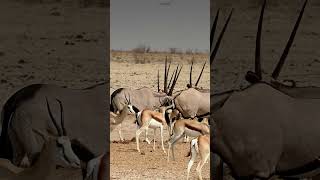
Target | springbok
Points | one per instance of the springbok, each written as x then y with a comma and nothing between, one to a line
150,119
201,146
187,127
85,110
43,169
261,131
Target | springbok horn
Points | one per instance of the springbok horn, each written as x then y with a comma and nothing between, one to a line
158,82
285,53
64,131
174,82
173,74
53,119
213,29
165,77
190,80
200,74
215,50
258,43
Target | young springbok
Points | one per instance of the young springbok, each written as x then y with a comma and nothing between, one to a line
186,127
150,119
200,145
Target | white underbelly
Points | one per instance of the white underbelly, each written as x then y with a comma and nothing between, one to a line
154,124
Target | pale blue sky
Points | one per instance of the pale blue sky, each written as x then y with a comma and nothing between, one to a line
183,24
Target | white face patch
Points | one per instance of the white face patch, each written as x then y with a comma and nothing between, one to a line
131,109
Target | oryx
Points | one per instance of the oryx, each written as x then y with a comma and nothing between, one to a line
26,110
261,131
146,98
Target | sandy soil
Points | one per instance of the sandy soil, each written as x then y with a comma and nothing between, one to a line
56,43
236,53
125,161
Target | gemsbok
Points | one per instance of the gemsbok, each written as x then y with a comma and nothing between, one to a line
261,131
199,146
84,111
146,98
23,156
188,127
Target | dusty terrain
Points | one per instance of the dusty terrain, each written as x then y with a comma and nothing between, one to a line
56,43
125,161
236,54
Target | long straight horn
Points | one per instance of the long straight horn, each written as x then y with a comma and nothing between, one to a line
53,119
258,43
190,80
158,82
165,76
173,74
285,53
213,29
174,82
215,50
200,74
64,131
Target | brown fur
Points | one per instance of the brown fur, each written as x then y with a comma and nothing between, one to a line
147,114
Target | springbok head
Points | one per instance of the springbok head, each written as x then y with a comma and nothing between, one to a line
65,156
256,76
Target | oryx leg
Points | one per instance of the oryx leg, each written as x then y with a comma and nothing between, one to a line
171,143
24,138
19,157
139,131
120,133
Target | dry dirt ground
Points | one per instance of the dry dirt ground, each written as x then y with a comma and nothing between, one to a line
125,161
56,43
236,54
